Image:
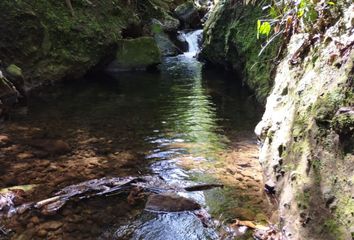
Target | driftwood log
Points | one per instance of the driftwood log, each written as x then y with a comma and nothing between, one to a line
96,188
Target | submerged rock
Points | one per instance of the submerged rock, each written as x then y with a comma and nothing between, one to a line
50,146
136,54
170,202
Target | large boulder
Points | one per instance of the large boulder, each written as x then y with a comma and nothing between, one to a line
165,34
188,14
170,24
136,54
163,41
166,46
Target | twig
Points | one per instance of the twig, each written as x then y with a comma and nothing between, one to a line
270,40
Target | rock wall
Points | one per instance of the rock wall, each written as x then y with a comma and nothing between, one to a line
230,40
307,129
307,134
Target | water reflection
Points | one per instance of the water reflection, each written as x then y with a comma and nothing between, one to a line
188,113
137,123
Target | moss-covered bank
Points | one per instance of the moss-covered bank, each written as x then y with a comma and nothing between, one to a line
230,40
49,43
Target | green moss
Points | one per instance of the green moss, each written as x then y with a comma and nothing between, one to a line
136,53
181,9
14,70
332,227
303,200
231,41
46,40
325,108
346,210
343,123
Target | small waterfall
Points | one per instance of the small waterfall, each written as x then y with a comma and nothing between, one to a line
193,39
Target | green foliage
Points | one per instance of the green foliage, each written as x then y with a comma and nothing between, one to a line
288,17
14,70
332,227
263,28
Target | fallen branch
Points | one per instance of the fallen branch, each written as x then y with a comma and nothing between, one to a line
101,187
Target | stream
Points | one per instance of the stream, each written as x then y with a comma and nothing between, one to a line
186,124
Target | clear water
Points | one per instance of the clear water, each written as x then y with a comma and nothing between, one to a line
182,112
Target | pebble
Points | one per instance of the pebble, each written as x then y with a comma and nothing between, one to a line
30,225
4,140
24,155
74,218
42,233
35,220
52,225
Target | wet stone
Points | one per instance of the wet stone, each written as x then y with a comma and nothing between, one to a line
25,155
52,225
35,220
42,233
4,140
170,202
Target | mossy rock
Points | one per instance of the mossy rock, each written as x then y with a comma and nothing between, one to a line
50,44
230,41
14,70
188,14
184,9
136,54
166,46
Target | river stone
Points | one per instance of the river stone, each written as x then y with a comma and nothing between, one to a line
4,140
168,24
188,14
166,46
136,54
170,202
14,70
42,233
57,147
51,226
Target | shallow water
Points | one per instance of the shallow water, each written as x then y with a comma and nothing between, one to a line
186,124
